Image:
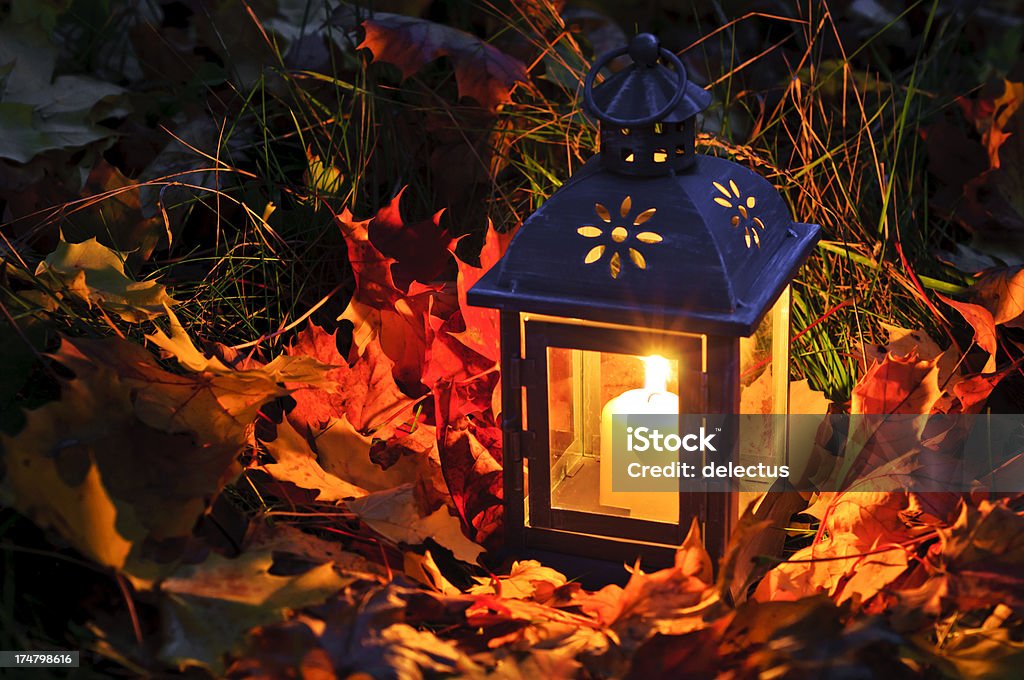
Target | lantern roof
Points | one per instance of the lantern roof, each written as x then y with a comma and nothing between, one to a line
655,235
645,91
705,251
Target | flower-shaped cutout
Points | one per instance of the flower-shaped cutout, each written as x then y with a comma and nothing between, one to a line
752,225
619,236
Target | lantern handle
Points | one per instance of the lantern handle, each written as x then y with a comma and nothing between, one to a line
668,55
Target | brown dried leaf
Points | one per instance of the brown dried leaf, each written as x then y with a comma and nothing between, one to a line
482,71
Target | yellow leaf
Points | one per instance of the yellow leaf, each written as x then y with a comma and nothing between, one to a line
394,515
94,273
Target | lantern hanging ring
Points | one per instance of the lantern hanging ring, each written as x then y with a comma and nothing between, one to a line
645,52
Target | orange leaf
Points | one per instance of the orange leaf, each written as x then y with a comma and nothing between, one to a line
1001,291
984,326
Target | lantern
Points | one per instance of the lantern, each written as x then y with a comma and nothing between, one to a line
655,281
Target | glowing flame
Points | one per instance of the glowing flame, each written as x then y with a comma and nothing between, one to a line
656,370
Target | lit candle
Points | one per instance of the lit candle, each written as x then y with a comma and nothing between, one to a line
653,399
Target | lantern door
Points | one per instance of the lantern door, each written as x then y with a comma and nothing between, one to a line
582,377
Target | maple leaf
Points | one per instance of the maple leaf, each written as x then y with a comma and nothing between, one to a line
216,402
525,579
1001,292
857,553
95,274
474,478
482,71
379,309
983,323
977,562
670,601
365,393
481,324
394,514
419,250
206,608
120,471
294,462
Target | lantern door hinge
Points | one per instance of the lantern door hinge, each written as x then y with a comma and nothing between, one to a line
514,442
522,372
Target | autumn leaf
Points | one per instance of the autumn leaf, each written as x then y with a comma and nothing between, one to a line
481,324
394,514
365,393
857,553
525,579
482,71
898,385
294,462
983,323
206,608
1001,292
136,470
95,274
379,310
670,601
420,250
474,478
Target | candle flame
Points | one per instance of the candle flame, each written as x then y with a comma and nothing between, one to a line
656,369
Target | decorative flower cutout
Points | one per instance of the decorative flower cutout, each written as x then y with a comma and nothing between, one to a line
753,227
619,235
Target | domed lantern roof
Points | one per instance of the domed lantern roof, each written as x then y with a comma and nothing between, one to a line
648,233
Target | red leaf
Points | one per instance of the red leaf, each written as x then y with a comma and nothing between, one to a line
481,331
375,285
482,71
366,393
474,479
420,250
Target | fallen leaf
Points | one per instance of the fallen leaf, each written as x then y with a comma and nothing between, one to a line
95,274
394,514
420,250
983,323
365,393
526,579
1001,292
474,479
482,71
206,608
481,324
294,462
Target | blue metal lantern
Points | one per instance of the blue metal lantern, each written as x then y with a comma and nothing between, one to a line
655,278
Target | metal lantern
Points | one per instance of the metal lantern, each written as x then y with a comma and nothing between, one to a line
655,280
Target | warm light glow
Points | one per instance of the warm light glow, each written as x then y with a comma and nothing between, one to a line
656,370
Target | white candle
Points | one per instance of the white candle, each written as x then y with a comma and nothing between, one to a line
653,399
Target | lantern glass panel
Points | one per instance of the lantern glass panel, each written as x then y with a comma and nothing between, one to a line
584,389
764,391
